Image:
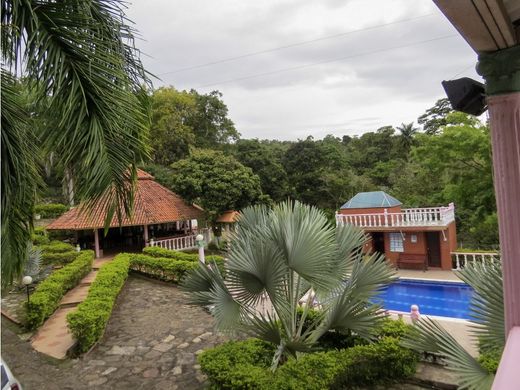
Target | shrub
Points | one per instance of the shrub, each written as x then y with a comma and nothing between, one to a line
162,268
156,251
57,247
245,364
239,364
393,328
88,322
59,257
362,365
45,300
50,210
40,236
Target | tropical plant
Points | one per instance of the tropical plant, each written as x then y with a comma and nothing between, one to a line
281,255
408,132
34,260
78,56
487,313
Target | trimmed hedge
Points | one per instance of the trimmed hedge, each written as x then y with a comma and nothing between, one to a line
245,364
40,236
162,268
88,322
50,210
58,252
45,300
156,251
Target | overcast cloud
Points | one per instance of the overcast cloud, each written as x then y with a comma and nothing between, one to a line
364,80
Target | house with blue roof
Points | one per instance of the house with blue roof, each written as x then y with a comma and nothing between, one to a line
409,237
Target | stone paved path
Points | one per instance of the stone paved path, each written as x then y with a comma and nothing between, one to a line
151,342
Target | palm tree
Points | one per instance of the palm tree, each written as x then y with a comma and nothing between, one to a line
80,57
408,132
277,257
487,312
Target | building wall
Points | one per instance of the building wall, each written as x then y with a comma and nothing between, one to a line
420,247
372,210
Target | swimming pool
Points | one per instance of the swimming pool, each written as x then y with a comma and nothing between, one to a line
434,298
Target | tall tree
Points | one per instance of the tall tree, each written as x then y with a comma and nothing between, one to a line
210,121
408,132
435,117
81,56
170,136
215,181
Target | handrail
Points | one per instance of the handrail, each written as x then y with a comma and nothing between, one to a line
176,243
463,258
427,216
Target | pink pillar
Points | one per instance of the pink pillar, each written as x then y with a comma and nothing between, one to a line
504,116
96,242
145,227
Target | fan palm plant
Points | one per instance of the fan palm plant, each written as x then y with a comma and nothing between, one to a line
79,56
487,312
277,257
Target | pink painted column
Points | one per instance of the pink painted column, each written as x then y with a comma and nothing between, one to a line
96,242
504,116
145,227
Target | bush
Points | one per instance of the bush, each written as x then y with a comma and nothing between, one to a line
45,300
162,268
156,251
59,257
239,364
245,364
57,247
88,322
40,236
50,210
393,328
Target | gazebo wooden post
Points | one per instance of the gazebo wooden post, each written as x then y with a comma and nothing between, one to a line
145,227
185,227
96,242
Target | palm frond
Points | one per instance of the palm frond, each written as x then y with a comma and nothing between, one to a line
487,304
19,180
432,337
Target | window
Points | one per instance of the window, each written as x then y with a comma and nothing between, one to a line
396,242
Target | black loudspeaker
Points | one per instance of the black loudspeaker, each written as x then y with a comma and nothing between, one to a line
466,95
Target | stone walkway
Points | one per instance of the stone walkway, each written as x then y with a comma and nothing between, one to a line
151,342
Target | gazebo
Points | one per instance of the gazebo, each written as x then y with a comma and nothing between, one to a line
159,214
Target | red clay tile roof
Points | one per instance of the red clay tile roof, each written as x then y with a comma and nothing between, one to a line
230,216
153,204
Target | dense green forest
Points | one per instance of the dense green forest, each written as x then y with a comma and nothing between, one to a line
196,151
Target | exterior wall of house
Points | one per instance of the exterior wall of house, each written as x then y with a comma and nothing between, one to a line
448,246
415,248
371,210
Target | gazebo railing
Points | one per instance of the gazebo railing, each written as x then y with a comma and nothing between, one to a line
176,243
460,259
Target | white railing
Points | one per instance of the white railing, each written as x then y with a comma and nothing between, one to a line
429,216
176,243
460,259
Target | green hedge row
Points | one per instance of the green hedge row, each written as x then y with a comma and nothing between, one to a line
50,210
45,300
57,252
245,365
162,268
156,251
40,236
88,322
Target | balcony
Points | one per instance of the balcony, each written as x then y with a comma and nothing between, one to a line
417,217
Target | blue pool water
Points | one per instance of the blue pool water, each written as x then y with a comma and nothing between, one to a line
433,298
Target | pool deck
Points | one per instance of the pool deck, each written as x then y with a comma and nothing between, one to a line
431,274
458,328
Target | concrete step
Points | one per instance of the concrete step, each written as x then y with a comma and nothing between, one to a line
75,296
54,337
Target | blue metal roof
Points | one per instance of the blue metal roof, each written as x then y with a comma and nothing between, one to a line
364,200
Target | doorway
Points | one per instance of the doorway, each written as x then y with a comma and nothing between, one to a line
434,249
378,239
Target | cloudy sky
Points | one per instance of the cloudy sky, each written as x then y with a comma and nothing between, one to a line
293,68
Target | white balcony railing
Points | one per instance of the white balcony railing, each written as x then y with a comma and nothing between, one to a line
428,216
176,243
460,259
